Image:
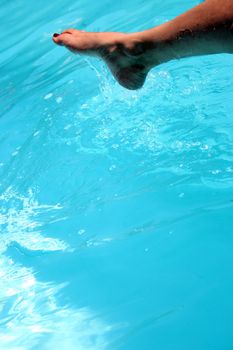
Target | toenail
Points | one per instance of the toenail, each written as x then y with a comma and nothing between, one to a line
55,35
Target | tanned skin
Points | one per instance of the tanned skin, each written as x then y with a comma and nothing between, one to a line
205,29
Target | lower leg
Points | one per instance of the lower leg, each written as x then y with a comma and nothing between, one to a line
205,29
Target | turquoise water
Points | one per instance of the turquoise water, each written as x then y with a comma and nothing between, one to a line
116,206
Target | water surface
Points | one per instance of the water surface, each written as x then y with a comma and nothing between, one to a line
115,206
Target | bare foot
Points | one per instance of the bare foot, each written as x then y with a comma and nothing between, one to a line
120,52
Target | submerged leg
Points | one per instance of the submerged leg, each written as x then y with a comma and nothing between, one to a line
205,29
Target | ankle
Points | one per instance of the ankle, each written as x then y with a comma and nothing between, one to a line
148,48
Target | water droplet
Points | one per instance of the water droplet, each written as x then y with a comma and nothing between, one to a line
81,232
48,96
59,99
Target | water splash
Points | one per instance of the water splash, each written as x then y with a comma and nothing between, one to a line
20,222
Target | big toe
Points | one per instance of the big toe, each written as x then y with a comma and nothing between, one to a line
60,39
67,37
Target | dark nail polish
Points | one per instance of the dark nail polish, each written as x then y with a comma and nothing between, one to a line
55,35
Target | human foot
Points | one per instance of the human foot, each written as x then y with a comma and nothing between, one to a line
120,52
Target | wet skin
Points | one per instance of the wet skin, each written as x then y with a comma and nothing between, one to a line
205,29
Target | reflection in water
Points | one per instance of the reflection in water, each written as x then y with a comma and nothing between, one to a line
30,313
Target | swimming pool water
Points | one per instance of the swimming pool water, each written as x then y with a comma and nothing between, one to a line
116,206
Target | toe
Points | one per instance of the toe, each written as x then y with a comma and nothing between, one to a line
62,39
72,31
69,31
57,39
